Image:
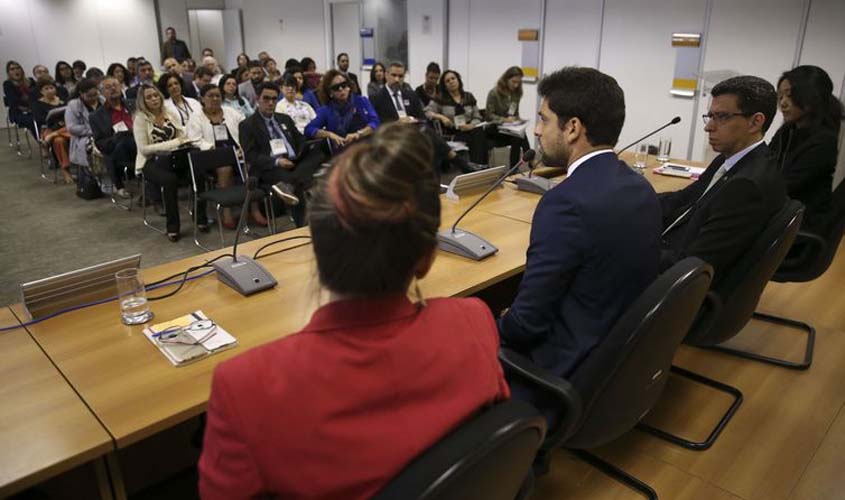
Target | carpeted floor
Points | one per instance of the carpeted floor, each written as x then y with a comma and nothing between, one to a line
48,230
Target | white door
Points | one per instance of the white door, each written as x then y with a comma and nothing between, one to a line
346,21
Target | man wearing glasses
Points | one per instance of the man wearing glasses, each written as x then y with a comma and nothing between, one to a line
719,216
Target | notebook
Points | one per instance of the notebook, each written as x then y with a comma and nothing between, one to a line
189,338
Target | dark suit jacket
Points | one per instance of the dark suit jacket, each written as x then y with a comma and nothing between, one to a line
101,127
595,246
807,159
255,141
383,103
725,222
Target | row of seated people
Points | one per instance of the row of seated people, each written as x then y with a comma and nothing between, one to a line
395,375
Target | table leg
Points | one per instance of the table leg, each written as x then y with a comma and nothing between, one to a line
116,476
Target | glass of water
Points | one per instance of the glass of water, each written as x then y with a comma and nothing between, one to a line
664,150
641,156
132,296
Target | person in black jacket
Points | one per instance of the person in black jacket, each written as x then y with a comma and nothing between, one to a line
112,126
277,153
718,217
806,144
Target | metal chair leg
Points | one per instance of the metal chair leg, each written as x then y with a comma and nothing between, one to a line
714,434
777,320
616,473
144,207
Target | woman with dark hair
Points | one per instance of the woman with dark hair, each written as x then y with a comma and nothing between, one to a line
54,132
457,110
374,362
309,71
503,108
231,99
76,120
429,90
272,70
240,62
177,104
300,111
806,143
345,117
95,74
119,73
64,76
302,92
79,68
17,89
377,80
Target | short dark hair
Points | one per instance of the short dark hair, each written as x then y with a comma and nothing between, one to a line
290,81
753,95
376,213
433,67
290,63
165,79
44,82
84,86
79,64
141,63
589,95
307,61
396,64
94,72
206,88
268,86
255,63
202,71
812,91
341,55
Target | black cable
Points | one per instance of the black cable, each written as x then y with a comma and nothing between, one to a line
185,277
256,257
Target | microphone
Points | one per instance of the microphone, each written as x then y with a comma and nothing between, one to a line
675,120
465,243
533,184
244,275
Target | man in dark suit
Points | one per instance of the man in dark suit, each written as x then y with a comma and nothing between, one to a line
145,77
277,153
719,216
111,126
343,66
173,47
595,237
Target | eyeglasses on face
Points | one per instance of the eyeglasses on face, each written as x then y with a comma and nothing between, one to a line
339,86
720,118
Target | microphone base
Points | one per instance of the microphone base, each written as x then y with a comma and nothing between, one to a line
533,184
245,275
465,244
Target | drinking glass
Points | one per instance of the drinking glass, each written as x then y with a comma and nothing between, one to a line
664,150
132,297
641,156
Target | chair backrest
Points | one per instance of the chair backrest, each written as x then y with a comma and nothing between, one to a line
731,303
622,378
206,162
486,458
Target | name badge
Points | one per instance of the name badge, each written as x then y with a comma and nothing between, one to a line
278,148
402,113
406,102
120,127
221,133
460,120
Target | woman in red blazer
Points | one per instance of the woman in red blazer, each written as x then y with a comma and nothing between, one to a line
338,409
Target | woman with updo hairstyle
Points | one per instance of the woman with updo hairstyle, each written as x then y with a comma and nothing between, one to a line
806,144
372,370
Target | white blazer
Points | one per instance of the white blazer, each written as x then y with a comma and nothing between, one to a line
192,107
141,130
201,131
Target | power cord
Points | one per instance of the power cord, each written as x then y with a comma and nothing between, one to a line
256,257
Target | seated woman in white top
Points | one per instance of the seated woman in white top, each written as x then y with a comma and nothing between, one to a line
300,111
177,104
216,126
231,99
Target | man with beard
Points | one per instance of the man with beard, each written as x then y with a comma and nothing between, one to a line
249,90
595,237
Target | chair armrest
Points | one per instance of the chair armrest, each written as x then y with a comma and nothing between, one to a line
813,246
570,401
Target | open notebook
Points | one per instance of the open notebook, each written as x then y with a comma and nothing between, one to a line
189,338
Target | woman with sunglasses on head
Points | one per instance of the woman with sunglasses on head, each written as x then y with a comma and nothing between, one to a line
345,117
458,113
383,374
806,144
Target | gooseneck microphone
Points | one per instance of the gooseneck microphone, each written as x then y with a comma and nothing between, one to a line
465,243
675,120
243,274
533,184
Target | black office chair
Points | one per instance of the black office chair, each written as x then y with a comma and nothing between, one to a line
731,303
203,165
487,458
623,377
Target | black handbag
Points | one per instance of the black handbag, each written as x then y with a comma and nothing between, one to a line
87,186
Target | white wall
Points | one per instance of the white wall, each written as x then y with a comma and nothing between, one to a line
174,13
207,31
424,48
572,34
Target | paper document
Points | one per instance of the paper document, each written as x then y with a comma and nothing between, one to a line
189,338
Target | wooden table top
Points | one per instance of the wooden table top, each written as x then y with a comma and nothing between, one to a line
45,428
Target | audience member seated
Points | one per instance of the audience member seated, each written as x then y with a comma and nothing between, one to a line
240,63
189,66
41,72
242,75
595,237
272,71
77,115
300,111
112,126
249,90
263,56
278,154
145,77
216,72
64,77
158,133
54,131
172,66
131,71
343,67
345,117
302,92
384,361
79,68
378,79
806,144
207,52
503,107
95,73
309,71
429,89
119,73
17,92
200,78
178,105
231,99
457,110
173,47
216,126
719,216
397,101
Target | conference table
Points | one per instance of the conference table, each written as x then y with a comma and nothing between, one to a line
134,390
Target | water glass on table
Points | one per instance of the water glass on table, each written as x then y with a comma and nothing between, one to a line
132,297
641,156
664,149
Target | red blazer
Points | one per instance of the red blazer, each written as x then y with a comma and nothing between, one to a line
338,409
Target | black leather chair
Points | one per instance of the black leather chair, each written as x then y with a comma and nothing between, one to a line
622,378
731,304
487,458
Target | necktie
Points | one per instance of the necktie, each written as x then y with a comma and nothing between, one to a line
716,176
397,101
